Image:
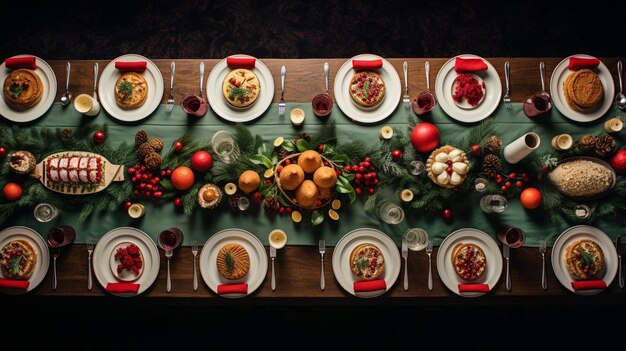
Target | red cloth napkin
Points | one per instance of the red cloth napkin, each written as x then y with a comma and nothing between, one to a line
589,284
134,66
14,284
232,289
241,62
371,285
122,287
367,64
465,65
576,63
29,62
483,288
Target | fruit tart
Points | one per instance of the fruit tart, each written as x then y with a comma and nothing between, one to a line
447,166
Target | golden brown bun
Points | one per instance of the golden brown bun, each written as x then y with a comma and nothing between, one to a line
27,264
291,177
325,177
247,81
240,259
373,262
310,161
576,265
139,94
468,261
583,90
370,83
28,96
307,193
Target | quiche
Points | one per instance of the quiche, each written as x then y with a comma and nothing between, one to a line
233,261
22,89
468,261
584,259
583,90
17,260
241,88
131,90
367,262
367,88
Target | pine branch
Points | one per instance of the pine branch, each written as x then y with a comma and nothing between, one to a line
478,135
327,135
244,139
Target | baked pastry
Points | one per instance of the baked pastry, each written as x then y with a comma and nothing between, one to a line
241,87
583,90
447,166
584,259
17,260
75,169
209,196
469,261
131,90
582,178
233,261
367,262
367,88
22,89
22,162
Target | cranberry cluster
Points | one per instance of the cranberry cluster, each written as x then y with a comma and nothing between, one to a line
147,181
129,258
512,178
365,177
469,265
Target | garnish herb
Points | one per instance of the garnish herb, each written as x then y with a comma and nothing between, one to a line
587,257
366,89
239,93
16,90
362,264
15,264
230,262
126,89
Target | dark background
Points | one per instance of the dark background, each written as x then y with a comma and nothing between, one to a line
309,29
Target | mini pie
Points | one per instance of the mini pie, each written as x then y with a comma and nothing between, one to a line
468,261
367,88
447,166
241,88
367,262
17,260
583,90
22,89
131,90
584,259
233,261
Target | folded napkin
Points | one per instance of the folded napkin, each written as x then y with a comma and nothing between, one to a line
14,284
367,64
371,285
232,289
134,66
466,65
589,284
29,62
576,63
483,288
241,62
122,287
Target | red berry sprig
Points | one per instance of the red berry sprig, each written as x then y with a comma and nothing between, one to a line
365,177
508,180
146,182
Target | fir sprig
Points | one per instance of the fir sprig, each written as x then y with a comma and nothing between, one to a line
126,89
230,262
239,93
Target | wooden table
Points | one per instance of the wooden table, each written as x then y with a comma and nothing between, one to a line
297,267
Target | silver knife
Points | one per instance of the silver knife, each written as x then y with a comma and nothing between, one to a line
322,248
405,256
505,253
273,256
620,276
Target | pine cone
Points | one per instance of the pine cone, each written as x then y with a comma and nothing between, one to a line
144,149
282,153
604,146
157,144
271,204
491,166
66,133
141,137
305,136
153,161
587,143
494,144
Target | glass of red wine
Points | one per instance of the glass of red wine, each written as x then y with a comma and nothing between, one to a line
59,236
511,236
169,240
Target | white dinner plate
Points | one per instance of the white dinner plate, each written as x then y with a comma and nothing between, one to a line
341,259
40,246
393,90
106,89
109,243
583,232
256,251
49,81
472,236
233,114
561,72
443,90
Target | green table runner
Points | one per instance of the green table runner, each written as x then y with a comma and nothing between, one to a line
510,124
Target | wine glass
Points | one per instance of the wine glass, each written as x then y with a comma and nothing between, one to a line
169,240
511,236
59,236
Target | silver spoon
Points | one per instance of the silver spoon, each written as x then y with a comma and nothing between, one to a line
620,98
67,96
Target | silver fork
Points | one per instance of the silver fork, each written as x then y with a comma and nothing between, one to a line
542,250
273,257
322,246
429,252
281,104
405,256
89,278
507,78
194,252
170,99
406,99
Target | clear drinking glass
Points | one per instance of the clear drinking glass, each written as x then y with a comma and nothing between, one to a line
45,212
390,213
493,203
481,184
416,238
417,167
224,146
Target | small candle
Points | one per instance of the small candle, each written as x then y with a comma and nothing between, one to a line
582,211
297,116
406,195
562,142
613,125
385,133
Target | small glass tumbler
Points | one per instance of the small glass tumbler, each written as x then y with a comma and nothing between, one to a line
417,167
493,203
45,212
416,238
390,213
224,146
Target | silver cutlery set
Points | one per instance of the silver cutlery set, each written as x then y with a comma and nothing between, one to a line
405,257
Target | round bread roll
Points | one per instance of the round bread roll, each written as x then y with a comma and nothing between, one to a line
469,261
233,261
17,260
583,90
584,259
22,89
291,177
131,90
367,262
367,88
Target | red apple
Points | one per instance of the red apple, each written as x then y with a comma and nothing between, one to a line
618,161
201,161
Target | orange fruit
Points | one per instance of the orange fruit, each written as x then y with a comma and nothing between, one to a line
12,191
182,178
530,198
249,181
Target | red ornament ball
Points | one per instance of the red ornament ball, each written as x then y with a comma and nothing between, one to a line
476,150
3,152
618,161
396,154
12,191
178,146
531,198
127,204
201,161
178,202
98,137
447,213
425,137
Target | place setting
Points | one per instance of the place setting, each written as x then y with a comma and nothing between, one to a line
24,260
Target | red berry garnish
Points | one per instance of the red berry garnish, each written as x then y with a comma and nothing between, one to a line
371,190
512,175
347,168
503,188
449,170
447,214
321,147
362,169
127,204
178,202
355,168
519,184
507,184
358,191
